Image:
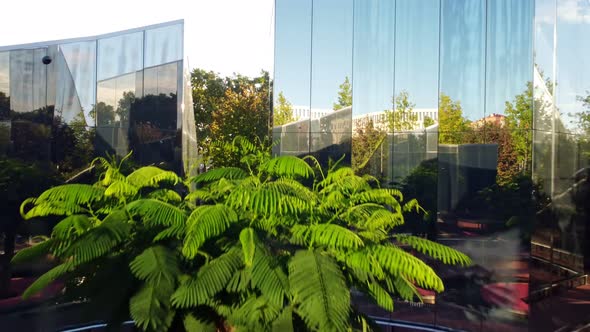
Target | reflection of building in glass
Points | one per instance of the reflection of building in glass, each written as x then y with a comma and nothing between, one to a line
108,94
502,164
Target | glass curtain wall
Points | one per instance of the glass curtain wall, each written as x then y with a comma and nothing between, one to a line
477,108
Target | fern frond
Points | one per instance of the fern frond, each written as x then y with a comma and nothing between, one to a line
232,173
268,276
174,232
398,262
120,189
329,235
32,253
290,187
378,196
435,250
199,194
287,166
404,288
320,291
204,223
247,239
77,224
152,176
157,213
192,324
156,265
75,193
100,240
211,278
53,208
150,307
380,295
384,219
255,314
284,322
166,195
47,278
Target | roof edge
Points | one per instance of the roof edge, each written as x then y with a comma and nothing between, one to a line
88,38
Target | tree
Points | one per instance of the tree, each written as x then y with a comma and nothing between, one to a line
402,118
366,142
208,90
283,111
519,120
275,244
453,128
344,95
428,121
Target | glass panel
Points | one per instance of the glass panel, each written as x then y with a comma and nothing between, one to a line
331,79
373,72
163,45
292,77
120,55
462,58
4,102
78,69
21,81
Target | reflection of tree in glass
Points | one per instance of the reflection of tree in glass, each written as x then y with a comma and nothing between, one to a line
104,114
402,118
428,121
367,142
519,119
4,106
452,126
344,95
283,111
124,107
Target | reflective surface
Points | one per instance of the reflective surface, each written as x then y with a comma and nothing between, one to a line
479,110
64,103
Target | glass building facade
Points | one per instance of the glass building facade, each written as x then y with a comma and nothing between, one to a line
62,104
480,109
68,101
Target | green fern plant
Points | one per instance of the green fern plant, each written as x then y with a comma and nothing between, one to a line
274,245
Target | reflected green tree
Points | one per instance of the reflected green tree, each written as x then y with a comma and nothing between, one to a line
283,111
453,127
428,121
402,118
368,149
344,95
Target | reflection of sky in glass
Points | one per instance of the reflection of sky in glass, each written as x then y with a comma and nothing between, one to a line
373,56
331,50
482,73
81,64
416,51
293,50
573,66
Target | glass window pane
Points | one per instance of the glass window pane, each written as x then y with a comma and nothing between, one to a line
163,45
120,55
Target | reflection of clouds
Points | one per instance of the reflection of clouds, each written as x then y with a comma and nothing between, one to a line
574,11
569,11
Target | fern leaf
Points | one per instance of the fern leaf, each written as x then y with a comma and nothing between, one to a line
47,278
329,235
72,193
284,322
204,223
77,224
120,189
100,240
53,208
211,278
269,277
150,307
247,239
287,166
380,295
232,173
320,290
156,265
152,176
32,253
174,232
384,219
166,195
398,262
192,324
157,213
404,288
435,250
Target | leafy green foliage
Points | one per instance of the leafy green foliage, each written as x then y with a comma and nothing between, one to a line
275,244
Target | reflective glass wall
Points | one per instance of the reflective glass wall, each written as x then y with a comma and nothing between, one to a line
476,108
61,105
